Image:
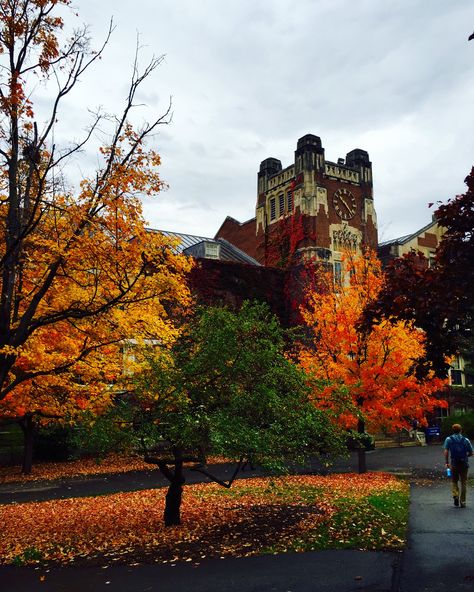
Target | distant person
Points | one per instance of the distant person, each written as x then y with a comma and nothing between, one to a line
459,449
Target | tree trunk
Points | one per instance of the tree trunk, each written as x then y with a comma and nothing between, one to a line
28,427
361,449
172,514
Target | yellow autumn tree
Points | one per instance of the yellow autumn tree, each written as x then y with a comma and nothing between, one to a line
79,272
366,375
70,366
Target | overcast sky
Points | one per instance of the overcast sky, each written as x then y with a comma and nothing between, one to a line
249,77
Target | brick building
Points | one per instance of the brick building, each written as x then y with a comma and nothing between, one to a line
425,240
313,207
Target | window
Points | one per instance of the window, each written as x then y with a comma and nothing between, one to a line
281,204
456,363
338,273
289,200
212,250
456,377
272,209
442,413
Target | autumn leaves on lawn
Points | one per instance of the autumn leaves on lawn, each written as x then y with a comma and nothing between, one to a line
295,513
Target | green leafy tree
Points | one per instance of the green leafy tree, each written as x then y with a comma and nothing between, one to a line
226,387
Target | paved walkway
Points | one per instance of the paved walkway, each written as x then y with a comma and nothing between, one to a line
426,461
325,571
440,554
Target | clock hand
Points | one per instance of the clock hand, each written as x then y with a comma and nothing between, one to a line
344,202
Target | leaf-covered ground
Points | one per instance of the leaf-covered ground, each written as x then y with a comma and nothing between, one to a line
255,516
112,463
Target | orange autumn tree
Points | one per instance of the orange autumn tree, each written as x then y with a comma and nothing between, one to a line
59,398
366,376
69,367
79,272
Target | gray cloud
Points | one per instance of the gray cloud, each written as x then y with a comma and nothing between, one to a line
249,77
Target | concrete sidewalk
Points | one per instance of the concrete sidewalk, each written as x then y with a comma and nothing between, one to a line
323,571
440,554
420,462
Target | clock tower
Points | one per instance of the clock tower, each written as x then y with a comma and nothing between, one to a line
318,207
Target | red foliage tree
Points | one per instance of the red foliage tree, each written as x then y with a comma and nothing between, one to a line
439,299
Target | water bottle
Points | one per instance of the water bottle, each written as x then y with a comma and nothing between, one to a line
448,472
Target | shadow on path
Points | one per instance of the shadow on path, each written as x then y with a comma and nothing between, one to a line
323,571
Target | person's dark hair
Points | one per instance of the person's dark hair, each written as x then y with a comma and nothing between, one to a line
456,427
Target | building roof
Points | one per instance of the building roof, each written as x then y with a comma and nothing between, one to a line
408,237
237,254
397,241
228,251
234,221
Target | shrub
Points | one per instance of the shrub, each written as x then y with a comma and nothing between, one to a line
465,419
55,442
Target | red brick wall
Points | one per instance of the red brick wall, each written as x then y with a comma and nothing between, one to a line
316,228
242,235
369,232
430,241
371,235
216,282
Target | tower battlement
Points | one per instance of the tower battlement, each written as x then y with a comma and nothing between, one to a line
334,201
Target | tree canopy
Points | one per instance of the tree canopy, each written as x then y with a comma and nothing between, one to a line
366,375
79,271
227,387
439,298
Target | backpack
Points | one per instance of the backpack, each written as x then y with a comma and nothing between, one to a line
458,448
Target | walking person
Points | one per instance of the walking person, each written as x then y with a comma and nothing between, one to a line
459,449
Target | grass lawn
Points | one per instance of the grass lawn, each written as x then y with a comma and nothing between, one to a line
255,516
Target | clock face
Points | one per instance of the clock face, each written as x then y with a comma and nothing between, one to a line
344,204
